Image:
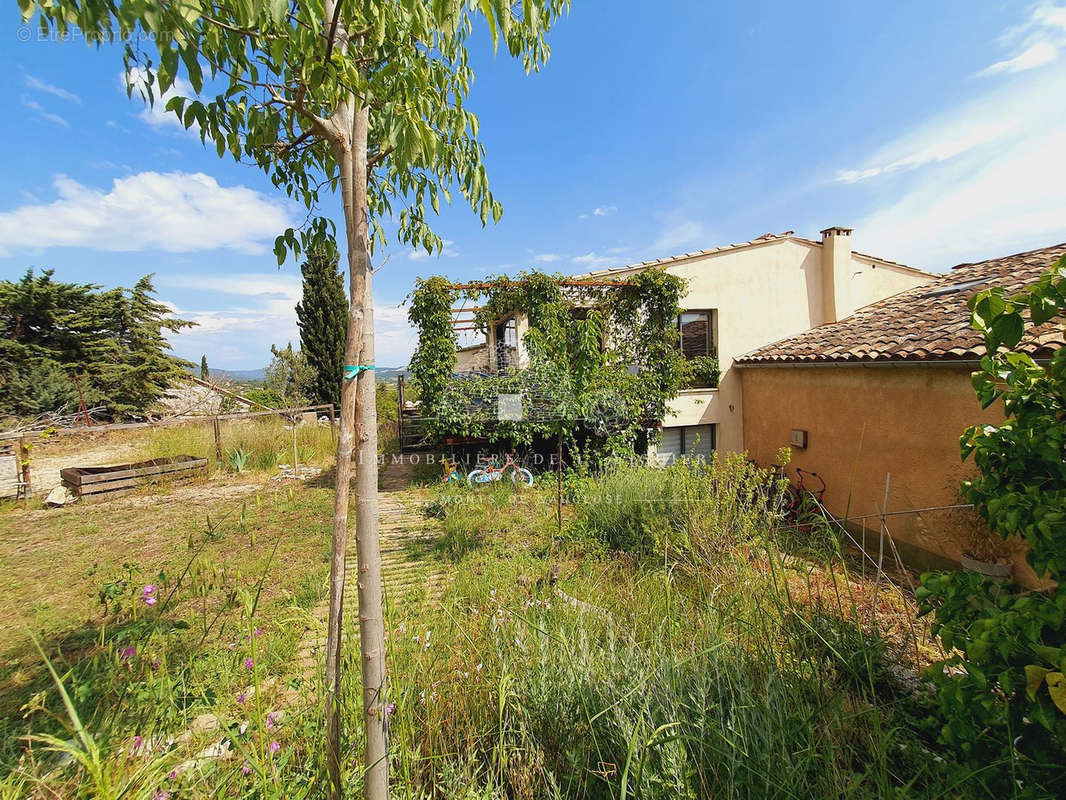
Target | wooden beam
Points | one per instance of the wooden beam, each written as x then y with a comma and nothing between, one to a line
563,282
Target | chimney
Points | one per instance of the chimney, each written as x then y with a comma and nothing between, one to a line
837,268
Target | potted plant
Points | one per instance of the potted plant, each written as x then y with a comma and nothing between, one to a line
701,373
985,553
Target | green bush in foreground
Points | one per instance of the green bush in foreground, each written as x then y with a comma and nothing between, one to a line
1003,692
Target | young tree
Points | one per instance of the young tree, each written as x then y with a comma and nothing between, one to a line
205,373
289,376
368,98
321,316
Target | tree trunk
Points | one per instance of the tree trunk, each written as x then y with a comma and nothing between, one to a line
358,425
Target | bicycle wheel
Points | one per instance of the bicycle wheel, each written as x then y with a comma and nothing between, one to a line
521,475
476,476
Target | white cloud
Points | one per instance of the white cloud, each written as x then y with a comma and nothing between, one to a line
155,113
36,83
941,140
421,253
599,211
1036,55
33,105
593,260
679,234
240,334
176,212
1000,195
546,258
1041,39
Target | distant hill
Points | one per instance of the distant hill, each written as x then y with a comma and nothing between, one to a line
389,374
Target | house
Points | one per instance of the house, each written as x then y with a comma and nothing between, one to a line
743,296
885,391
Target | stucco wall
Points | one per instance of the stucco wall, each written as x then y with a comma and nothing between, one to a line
762,294
865,423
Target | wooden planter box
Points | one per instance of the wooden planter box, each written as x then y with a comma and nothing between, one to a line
101,483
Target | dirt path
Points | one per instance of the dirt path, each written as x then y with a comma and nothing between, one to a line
46,461
412,568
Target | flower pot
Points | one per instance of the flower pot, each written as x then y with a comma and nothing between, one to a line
997,570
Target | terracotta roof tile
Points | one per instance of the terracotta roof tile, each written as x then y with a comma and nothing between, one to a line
928,322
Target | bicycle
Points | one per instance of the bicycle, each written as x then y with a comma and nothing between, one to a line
451,471
491,473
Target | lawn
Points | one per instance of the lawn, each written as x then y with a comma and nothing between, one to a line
668,641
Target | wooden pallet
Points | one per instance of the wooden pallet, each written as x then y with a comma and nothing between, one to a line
93,484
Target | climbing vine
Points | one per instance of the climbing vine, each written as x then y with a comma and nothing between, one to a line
603,358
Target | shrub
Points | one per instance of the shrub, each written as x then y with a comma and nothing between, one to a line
1003,691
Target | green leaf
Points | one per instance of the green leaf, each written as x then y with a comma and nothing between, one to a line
279,10
1034,678
1056,686
1008,329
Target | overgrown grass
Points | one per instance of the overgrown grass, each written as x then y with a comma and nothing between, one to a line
267,441
663,646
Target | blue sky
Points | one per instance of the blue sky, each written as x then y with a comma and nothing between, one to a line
936,129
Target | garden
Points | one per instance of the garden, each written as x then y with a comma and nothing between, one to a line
669,640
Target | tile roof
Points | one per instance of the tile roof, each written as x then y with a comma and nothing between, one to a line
766,238
927,323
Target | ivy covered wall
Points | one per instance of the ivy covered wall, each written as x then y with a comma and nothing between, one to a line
603,357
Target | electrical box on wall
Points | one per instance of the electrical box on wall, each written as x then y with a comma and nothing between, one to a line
798,439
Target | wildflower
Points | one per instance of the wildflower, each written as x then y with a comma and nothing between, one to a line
173,774
156,665
389,708
148,595
274,746
248,663
242,697
246,769
257,632
161,796
138,743
272,720
126,653
149,601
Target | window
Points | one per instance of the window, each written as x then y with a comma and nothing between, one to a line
697,333
697,442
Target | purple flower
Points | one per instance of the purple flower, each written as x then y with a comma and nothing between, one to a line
126,653
173,774
389,708
247,770
149,601
272,721
137,743
161,796
274,746
248,663
149,590
242,697
156,665
258,632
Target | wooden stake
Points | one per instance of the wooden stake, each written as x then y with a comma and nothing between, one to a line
559,483
218,441
24,461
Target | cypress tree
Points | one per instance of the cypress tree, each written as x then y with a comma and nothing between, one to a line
322,316
205,373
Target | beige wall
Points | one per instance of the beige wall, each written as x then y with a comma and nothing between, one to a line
764,293
865,423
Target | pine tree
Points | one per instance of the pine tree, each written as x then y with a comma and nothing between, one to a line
323,316
205,373
113,340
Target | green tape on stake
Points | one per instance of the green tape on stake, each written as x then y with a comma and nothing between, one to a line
353,371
